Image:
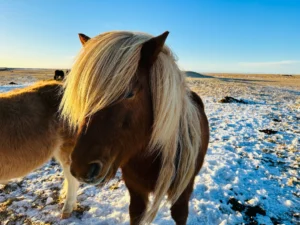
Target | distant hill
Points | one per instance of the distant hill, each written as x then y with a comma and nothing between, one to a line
3,68
196,75
32,69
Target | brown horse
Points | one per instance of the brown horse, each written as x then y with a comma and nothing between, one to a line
31,133
133,109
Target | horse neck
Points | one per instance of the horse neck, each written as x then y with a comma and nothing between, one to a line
51,95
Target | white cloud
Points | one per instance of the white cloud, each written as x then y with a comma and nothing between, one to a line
276,67
268,64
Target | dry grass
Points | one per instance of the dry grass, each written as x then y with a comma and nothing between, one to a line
25,75
209,84
266,79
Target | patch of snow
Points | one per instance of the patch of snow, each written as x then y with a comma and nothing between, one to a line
256,172
5,88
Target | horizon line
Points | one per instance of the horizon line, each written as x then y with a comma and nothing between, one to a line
205,72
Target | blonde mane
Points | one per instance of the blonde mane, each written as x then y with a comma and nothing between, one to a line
102,74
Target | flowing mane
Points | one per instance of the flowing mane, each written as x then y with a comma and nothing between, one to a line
102,74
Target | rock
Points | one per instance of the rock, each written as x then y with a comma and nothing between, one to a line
253,210
49,201
268,131
296,215
276,221
236,206
229,99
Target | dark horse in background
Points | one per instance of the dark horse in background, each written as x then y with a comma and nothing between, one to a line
134,111
59,75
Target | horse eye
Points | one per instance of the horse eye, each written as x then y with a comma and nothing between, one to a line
129,94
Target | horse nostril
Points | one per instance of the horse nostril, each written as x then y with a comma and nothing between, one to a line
94,170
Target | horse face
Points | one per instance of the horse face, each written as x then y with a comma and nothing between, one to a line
112,135
109,138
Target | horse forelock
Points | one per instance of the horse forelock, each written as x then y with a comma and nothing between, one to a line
103,72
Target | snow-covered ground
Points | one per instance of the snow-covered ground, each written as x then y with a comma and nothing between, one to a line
5,88
249,177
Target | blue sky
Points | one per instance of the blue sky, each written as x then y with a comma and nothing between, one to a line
249,36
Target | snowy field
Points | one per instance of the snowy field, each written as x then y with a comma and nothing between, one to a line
249,177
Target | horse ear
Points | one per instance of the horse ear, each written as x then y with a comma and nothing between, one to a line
152,48
83,38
